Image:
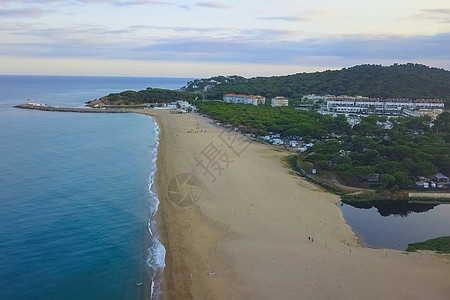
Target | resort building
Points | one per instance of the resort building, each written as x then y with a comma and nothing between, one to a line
439,177
365,105
315,98
246,99
183,104
433,113
280,101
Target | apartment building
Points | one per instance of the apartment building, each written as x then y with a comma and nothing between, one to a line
280,101
390,106
246,99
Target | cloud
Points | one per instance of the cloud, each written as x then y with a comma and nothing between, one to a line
360,48
177,28
220,45
445,11
99,34
374,47
22,13
24,1
214,5
288,18
130,2
308,15
441,15
112,2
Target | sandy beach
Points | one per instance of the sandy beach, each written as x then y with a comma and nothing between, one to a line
237,224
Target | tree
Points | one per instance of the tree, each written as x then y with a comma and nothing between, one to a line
369,127
341,126
323,164
424,168
442,123
401,179
387,180
344,160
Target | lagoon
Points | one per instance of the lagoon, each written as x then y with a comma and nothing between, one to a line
395,224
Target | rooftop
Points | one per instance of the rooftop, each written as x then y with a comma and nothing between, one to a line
246,96
402,100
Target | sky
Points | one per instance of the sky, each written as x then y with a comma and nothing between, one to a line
208,38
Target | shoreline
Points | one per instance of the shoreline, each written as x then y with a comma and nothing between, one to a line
156,255
160,181
235,242
260,232
176,280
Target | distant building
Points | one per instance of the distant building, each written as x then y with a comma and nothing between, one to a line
304,106
433,113
246,99
38,104
439,177
422,184
365,105
207,87
280,101
374,178
315,97
183,104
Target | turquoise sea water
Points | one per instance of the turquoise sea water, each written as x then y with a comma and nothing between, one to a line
76,195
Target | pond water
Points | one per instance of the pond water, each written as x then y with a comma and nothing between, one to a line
395,224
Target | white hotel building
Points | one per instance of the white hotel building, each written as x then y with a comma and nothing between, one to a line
246,99
279,101
365,105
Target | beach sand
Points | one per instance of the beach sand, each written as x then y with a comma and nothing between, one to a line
257,231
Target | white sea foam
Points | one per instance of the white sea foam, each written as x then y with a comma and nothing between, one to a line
155,260
153,196
151,289
157,252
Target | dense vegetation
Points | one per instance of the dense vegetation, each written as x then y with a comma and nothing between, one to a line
284,120
411,148
441,244
146,96
397,81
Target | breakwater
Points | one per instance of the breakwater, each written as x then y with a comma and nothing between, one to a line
71,109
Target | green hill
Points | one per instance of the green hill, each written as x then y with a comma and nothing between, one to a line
413,81
148,95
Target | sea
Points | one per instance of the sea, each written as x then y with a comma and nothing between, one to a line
77,199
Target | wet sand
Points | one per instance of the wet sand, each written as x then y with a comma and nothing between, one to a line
256,231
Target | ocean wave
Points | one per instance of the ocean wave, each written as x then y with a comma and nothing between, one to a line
156,261
157,252
154,156
156,256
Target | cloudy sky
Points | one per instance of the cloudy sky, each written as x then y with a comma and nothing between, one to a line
206,38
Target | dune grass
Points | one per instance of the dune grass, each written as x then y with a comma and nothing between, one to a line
441,244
